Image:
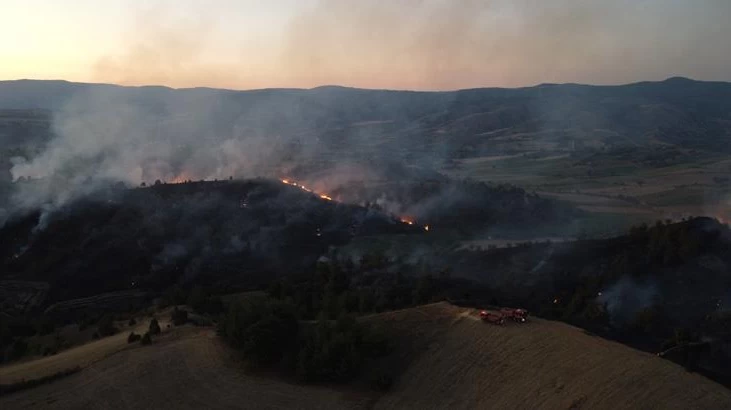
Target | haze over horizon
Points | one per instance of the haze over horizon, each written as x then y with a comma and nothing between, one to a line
407,44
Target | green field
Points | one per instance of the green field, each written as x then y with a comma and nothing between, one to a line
618,189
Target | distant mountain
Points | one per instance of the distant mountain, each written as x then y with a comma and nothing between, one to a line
410,124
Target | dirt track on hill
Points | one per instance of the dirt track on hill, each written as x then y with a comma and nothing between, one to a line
450,359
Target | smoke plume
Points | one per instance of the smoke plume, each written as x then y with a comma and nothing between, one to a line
627,297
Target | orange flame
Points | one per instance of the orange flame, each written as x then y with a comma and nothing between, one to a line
327,197
304,188
180,179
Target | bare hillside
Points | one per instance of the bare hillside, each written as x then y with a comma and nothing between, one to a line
450,360
542,364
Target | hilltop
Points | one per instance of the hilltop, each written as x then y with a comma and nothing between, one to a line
234,233
445,357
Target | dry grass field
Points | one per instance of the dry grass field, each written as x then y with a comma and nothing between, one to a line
538,365
686,188
449,359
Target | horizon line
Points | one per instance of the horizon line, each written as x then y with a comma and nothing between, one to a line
360,88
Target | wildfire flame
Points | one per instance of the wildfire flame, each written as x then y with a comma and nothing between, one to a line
304,188
180,179
327,197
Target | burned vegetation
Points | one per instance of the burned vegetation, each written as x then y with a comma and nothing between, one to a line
241,233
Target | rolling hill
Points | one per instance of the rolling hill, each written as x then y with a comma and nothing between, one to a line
446,358
416,125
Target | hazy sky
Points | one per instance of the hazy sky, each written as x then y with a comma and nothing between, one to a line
413,44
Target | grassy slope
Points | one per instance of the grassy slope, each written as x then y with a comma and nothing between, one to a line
542,364
452,360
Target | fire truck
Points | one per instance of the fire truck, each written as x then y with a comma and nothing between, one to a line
492,317
499,317
517,315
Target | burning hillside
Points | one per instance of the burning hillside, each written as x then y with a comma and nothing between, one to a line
240,232
321,195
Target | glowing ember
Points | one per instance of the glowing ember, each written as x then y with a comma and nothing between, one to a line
426,228
406,221
323,196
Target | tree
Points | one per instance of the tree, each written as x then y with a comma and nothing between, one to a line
179,317
424,288
264,332
18,349
154,327
105,326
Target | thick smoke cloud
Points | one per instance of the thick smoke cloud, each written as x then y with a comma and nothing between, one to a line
106,135
428,44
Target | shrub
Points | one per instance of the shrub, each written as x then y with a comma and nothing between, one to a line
131,322
154,327
146,339
105,326
179,316
268,333
382,381
133,337
263,332
18,349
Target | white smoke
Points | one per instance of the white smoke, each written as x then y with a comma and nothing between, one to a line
627,297
107,134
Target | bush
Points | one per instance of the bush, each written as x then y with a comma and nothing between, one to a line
331,352
263,332
179,317
105,326
49,351
382,381
146,339
133,337
154,328
18,349
131,322
202,301
268,333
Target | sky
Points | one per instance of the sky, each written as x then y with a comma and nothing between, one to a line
396,44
